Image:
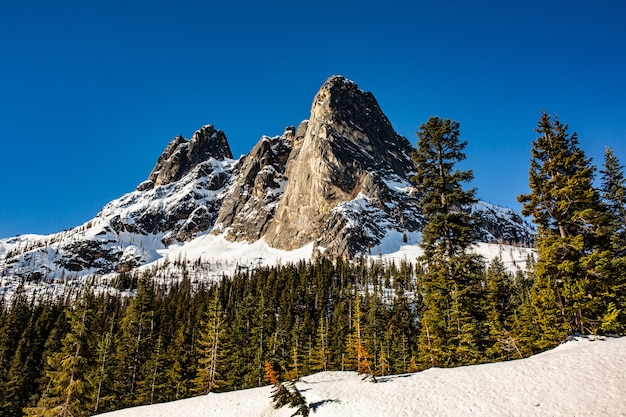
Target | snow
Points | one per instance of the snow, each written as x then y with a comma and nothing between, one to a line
218,249
583,377
393,249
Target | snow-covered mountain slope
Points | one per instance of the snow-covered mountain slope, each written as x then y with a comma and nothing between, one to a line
583,377
337,186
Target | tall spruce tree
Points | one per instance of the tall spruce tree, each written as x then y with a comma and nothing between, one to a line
445,204
572,233
613,191
135,342
210,350
70,393
450,288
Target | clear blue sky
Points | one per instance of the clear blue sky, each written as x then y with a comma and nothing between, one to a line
91,92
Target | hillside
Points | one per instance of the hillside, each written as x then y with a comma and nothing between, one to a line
583,377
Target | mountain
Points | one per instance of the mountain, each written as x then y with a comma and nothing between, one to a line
579,378
338,183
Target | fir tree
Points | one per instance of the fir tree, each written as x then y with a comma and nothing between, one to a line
209,347
28,360
102,378
572,230
445,204
285,393
614,195
358,356
321,352
135,342
69,393
450,287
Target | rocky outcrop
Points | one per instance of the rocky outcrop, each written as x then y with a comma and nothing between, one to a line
502,225
259,181
181,156
340,181
348,151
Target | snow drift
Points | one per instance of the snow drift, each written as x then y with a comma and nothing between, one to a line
583,377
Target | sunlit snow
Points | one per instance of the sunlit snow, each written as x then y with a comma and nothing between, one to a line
583,377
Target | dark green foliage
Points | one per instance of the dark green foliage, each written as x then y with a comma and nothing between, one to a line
451,315
150,343
574,235
613,191
69,392
211,337
445,204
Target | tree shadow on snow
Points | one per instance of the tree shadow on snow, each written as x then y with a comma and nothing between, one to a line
314,406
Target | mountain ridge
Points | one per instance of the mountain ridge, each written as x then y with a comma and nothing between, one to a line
339,181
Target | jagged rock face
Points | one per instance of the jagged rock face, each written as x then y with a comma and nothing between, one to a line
248,207
502,225
162,210
179,209
339,181
348,150
181,156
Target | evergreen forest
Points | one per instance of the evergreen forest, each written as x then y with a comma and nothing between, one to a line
140,341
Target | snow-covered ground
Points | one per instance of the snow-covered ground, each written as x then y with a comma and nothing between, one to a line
583,377
211,257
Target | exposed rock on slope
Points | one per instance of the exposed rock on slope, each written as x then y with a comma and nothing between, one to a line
127,232
500,224
259,180
181,156
339,181
349,153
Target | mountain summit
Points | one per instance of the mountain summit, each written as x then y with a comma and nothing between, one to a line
345,160
339,182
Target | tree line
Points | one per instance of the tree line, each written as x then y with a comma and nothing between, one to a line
143,343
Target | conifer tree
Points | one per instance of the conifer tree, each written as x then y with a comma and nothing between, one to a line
285,393
358,356
450,287
614,195
135,342
69,392
104,370
209,348
613,191
572,231
13,327
321,352
445,204
28,360
501,305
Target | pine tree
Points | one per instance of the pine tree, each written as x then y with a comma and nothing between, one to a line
445,204
613,191
69,393
614,195
209,348
102,377
501,306
28,361
357,353
572,228
135,343
13,326
450,288
321,353
285,393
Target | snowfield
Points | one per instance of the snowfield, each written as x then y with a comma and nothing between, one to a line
583,377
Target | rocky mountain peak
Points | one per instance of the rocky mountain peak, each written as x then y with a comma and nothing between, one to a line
354,114
181,156
338,182
348,148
